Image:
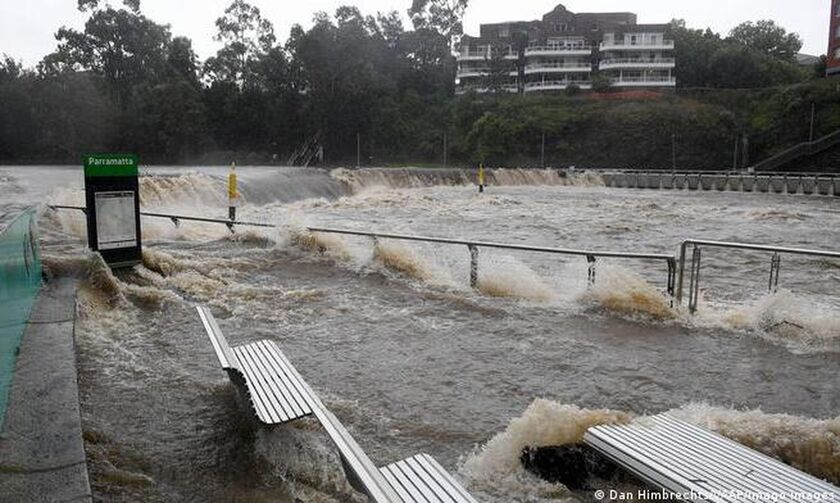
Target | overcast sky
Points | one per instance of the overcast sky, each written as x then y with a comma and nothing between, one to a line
27,27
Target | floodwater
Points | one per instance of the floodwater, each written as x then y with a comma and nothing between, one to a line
408,356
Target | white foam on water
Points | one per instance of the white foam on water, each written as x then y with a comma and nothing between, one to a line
302,457
801,323
495,469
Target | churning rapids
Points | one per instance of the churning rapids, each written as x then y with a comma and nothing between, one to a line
411,358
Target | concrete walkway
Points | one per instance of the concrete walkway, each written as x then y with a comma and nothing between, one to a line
42,456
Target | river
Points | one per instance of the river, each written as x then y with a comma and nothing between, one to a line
407,355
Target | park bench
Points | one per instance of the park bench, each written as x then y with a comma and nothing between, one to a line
682,458
278,394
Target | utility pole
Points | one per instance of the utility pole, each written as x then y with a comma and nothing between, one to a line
813,114
542,151
358,150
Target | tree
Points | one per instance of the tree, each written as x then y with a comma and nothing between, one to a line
767,37
246,36
123,46
498,69
443,16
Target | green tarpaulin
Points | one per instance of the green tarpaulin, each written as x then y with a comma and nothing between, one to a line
20,279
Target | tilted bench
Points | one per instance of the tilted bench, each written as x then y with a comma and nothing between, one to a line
683,458
278,394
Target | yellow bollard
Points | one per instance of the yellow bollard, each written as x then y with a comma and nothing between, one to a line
232,192
481,177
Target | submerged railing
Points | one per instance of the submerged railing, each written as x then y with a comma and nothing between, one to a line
675,268
694,269
473,246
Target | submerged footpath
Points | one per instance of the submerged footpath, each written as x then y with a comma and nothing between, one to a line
41,448
42,456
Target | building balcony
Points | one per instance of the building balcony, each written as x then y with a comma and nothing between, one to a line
472,72
665,45
473,56
556,85
558,50
557,68
649,81
463,89
484,55
659,63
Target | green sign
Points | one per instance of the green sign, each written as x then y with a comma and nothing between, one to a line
20,279
110,165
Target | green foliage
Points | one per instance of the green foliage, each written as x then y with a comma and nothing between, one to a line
756,55
125,83
767,37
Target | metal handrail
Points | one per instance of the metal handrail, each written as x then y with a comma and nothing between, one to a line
177,218
694,272
676,268
490,244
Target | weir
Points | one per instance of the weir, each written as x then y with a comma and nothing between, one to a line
823,184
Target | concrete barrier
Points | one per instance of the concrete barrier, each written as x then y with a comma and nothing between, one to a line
693,182
706,182
609,179
837,187
824,186
651,180
793,183
762,183
720,182
631,180
747,183
809,185
680,181
777,184
619,180
667,181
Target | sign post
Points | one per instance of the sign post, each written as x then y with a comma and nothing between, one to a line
113,208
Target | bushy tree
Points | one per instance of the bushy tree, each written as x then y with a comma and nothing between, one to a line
766,37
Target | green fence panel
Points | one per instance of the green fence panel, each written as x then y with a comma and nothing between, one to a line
20,280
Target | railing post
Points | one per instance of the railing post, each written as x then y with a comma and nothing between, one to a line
694,281
672,271
591,272
681,272
775,265
473,266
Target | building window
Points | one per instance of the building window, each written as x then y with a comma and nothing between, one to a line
504,31
837,54
838,32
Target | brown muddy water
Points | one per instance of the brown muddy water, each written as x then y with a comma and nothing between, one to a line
408,356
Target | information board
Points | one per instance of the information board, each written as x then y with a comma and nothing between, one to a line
113,202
